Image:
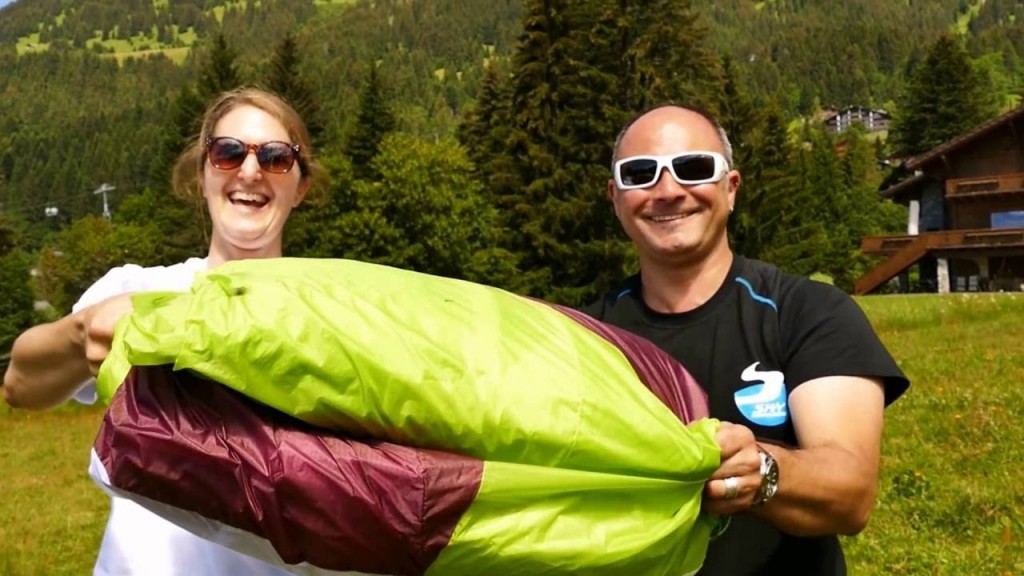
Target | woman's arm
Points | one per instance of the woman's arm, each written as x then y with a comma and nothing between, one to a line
50,362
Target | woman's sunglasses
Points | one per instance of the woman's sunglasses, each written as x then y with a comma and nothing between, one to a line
226,153
688,169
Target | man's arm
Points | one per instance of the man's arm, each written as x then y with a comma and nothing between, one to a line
829,483
49,362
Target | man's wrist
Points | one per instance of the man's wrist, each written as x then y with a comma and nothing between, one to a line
769,478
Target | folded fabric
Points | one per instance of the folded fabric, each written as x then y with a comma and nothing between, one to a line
415,392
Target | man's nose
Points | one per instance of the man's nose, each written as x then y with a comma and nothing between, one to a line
666,186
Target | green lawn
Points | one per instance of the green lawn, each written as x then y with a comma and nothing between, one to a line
51,514
950,500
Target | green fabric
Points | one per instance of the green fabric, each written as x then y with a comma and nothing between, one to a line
445,364
581,523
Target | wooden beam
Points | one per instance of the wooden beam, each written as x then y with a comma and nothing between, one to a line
1018,137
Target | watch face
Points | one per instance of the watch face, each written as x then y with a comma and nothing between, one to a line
769,478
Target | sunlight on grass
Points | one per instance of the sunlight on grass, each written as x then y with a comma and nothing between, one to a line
52,515
142,45
964,20
29,44
176,55
948,502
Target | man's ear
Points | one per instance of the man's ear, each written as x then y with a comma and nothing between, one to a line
611,196
735,180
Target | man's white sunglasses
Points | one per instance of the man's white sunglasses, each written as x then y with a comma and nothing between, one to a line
688,169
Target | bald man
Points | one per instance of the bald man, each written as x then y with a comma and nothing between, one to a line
792,367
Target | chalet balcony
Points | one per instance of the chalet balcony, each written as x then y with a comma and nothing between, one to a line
903,251
945,239
985,186
884,245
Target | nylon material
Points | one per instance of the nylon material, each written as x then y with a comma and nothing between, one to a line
605,529
661,373
500,351
428,368
155,338
240,339
446,500
337,504
229,536
442,363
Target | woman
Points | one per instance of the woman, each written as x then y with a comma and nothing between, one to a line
253,164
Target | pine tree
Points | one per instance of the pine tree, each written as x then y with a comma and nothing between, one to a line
484,129
664,55
831,202
945,98
284,78
219,72
546,218
580,70
774,220
374,121
741,120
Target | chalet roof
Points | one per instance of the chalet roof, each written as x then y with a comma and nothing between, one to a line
916,162
946,147
902,185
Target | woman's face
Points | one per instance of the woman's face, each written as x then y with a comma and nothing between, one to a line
248,204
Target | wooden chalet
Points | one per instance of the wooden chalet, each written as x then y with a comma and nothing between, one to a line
965,225
873,120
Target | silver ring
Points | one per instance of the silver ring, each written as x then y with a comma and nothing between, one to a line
732,487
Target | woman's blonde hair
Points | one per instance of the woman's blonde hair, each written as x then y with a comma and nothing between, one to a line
186,177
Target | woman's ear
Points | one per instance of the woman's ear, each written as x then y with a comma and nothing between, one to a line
300,193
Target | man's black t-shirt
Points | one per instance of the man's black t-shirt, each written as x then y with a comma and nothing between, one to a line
761,335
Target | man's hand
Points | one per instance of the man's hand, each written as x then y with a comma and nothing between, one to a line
734,486
828,482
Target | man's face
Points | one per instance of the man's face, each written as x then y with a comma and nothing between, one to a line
669,221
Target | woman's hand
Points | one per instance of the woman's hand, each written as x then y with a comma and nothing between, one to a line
97,323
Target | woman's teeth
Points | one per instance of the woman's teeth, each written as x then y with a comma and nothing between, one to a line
248,199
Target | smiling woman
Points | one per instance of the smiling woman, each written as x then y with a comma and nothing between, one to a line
252,164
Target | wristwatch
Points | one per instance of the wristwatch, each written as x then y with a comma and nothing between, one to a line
769,478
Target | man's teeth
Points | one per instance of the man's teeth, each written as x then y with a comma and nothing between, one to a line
667,217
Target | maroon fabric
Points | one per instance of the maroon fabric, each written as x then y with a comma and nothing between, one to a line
336,503
659,371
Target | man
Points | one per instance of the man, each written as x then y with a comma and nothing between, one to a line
792,367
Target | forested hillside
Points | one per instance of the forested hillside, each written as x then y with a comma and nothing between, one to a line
471,137
805,53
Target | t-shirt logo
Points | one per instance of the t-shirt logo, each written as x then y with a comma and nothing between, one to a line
764,403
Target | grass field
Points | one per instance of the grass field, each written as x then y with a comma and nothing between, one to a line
51,514
951,499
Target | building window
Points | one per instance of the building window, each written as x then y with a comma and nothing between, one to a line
1014,219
